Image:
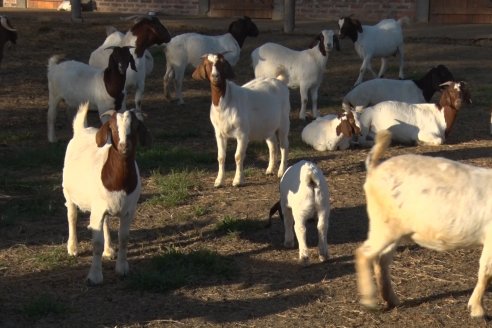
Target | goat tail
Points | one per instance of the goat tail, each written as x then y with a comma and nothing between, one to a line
308,176
80,120
383,140
274,209
55,59
404,21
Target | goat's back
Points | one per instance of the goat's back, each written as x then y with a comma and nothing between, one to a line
382,39
321,133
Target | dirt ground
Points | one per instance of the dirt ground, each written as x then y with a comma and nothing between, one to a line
269,287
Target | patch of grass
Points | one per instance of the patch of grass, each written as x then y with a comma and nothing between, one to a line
158,158
232,225
12,138
175,269
200,210
44,305
175,188
50,155
53,257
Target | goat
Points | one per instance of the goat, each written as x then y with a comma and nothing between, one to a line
146,32
332,132
76,82
188,48
7,34
374,91
304,193
100,175
381,40
304,69
438,203
428,124
257,110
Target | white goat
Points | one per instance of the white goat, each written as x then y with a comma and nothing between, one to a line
258,110
76,82
146,32
188,49
332,132
381,40
419,91
438,203
303,194
303,69
103,178
409,123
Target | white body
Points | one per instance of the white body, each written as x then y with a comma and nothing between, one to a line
75,83
440,204
99,58
83,189
408,123
188,49
372,92
303,69
382,40
304,194
256,111
321,134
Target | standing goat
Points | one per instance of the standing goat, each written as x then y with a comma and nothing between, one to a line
304,193
429,124
332,132
419,91
381,40
146,32
100,175
303,69
258,110
438,203
7,34
188,49
76,82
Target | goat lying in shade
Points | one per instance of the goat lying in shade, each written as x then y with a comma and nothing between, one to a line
304,193
100,175
438,203
429,124
258,110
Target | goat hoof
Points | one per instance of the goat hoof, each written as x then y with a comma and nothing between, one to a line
109,253
370,304
122,269
323,258
304,261
92,283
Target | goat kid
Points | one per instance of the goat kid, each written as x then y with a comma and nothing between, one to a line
304,193
428,124
76,82
100,175
438,203
7,34
381,40
258,110
303,69
188,48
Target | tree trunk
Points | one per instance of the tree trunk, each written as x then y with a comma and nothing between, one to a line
76,10
289,15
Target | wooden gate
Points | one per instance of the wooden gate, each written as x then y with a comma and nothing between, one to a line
251,8
461,11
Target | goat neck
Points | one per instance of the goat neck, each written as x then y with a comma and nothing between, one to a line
119,172
425,84
114,82
218,90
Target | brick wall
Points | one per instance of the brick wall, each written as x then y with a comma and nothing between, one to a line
169,7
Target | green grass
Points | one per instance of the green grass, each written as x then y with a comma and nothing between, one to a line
175,269
44,305
234,226
159,158
49,155
176,187
52,257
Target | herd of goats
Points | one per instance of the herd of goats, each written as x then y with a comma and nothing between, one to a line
438,203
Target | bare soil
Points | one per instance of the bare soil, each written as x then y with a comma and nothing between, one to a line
270,288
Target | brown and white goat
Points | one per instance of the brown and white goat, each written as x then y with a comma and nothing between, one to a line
7,34
258,110
100,175
76,83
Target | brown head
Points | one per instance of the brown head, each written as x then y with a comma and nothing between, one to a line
115,73
453,96
149,31
349,125
349,27
216,69
122,131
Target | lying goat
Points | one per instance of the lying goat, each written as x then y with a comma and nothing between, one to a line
438,203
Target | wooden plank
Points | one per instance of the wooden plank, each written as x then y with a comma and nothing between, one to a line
461,11
251,8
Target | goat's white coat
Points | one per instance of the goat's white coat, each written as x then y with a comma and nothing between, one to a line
440,204
303,69
255,111
83,188
303,194
188,49
321,133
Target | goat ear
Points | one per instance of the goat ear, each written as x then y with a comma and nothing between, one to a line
102,134
315,41
339,129
228,71
358,25
132,63
336,42
200,73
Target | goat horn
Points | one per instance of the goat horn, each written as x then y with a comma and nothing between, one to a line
6,25
109,112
